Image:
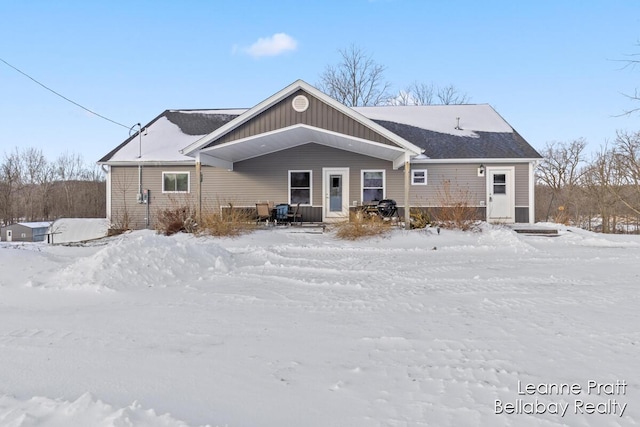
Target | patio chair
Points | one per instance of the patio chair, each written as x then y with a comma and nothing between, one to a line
281,212
294,215
263,212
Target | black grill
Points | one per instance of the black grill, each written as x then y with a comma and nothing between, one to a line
387,208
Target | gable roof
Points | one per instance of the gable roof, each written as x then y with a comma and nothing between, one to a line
440,131
163,137
454,131
32,225
298,85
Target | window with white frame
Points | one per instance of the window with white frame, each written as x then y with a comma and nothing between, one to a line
419,177
175,182
300,188
373,185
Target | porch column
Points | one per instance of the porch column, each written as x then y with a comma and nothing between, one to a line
407,186
198,190
532,192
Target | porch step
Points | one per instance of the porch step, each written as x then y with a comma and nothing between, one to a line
307,227
534,229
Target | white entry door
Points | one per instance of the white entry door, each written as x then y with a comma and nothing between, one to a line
9,236
335,190
500,194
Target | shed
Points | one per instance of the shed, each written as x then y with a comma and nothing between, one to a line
25,231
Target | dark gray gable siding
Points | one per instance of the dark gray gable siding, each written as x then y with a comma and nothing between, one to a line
319,114
490,145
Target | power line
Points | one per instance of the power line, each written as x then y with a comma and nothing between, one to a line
64,97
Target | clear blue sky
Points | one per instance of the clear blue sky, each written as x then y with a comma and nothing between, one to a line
548,66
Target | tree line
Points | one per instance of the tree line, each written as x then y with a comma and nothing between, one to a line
32,188
599,192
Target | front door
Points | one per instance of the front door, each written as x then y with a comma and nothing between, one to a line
9,236
500,194
335,189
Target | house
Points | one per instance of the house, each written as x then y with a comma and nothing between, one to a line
301,146
25,232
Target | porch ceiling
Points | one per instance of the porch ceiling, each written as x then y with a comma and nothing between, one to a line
282,139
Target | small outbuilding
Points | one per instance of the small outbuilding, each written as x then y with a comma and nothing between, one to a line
25,232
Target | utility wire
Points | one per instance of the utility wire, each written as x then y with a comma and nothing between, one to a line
62,96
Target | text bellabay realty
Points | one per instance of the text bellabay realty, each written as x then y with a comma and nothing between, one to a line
609,406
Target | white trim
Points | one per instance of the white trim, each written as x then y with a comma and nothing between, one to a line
532,192
310,172
177,173
475,160
384,182
209,160
109,193
149,163
413,177
344,215
277,97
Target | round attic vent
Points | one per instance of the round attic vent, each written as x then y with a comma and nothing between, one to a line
300,103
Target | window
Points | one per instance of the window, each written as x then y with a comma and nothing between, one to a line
23,235
372,185
175,182
499,183
419,177
300,187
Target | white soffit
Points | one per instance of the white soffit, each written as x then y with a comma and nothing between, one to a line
294,136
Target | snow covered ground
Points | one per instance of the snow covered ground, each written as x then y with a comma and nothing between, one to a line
278,328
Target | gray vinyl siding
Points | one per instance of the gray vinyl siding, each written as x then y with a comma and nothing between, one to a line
522,215
319,114
266,179
464,183
124,191
522,184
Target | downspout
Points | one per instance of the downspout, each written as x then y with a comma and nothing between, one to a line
198,189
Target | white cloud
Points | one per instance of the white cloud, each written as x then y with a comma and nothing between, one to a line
272,46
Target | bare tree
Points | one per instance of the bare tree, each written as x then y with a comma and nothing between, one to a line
560,172
69,170
421,93
414,94
357,80
34,167
625,158
10,183
597,179
428,94
632,62
450,95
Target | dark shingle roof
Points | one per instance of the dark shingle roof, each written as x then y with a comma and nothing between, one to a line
437,145
193,123
490,145
190,122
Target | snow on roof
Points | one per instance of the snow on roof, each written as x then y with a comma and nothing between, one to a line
40,224
163,138
442,118
70,230
228,111
160,142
